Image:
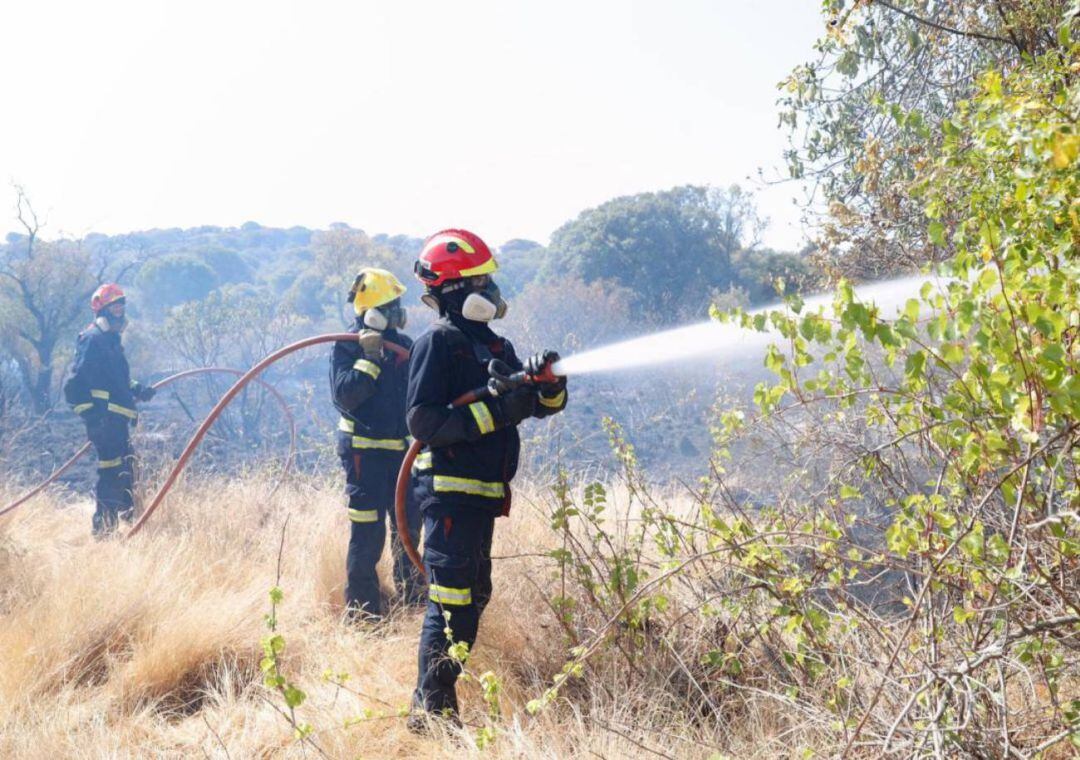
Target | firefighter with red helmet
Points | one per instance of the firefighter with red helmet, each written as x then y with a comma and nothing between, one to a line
367,384
100,390
462,476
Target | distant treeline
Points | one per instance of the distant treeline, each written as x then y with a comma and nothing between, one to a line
656,258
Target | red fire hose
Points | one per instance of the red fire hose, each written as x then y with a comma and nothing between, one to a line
401,491
244,379
161,384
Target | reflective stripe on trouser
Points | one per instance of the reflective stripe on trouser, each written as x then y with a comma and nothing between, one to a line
457,555
115,473
455,597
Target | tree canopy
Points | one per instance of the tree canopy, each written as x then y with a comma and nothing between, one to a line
870,110
672,249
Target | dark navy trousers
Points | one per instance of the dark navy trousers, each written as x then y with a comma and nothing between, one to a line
114,492
457,556
369,485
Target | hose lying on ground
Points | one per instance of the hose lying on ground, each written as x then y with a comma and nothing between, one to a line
161,384
238,386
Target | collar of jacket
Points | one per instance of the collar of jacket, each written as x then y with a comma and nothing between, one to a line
479,332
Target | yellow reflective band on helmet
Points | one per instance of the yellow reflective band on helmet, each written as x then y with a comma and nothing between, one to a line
106,464
454,596
447,483
364,515
423,461
346,425
389,444
487,267
368,368
80,408
98,393
553,403
123,410
484,421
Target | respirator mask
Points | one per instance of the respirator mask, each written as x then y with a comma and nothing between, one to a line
112,318
391,316
484,303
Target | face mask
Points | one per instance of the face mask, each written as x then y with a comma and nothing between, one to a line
398,317
385,318
109,323
485,305
375,319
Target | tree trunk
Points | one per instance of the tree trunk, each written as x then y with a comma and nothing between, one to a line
26,376
42,391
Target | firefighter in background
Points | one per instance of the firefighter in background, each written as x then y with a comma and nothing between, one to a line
100,390
368,386
462,476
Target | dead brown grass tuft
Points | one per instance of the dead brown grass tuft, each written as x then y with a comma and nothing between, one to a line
151,648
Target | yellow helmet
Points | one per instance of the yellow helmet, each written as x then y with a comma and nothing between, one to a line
373,288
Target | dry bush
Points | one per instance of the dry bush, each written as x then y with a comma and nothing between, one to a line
151,647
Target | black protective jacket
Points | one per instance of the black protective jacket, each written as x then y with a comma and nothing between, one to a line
370,393
100,382
471,452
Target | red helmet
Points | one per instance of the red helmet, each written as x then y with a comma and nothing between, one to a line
452,255
105,295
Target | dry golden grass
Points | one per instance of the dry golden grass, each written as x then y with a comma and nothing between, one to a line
150,648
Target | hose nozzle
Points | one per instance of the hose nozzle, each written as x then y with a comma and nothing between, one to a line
538,369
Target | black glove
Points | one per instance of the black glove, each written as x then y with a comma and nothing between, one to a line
143,392
537,363
516,406
499,388
553,389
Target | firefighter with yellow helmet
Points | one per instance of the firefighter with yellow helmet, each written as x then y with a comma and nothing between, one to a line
368,385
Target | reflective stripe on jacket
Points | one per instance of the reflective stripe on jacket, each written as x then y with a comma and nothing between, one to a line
100,381
369,392
479,460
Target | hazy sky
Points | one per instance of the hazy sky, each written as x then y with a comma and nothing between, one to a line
507,117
